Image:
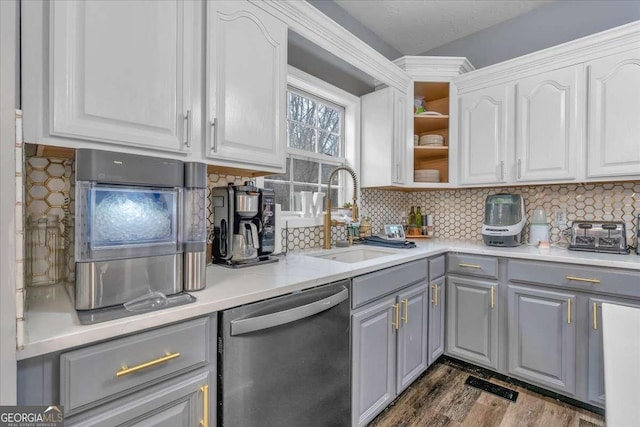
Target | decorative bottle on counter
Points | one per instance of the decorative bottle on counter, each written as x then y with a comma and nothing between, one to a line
430,224
412,217
418,218
425,229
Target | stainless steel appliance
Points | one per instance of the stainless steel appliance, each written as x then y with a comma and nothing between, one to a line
131,232
599,236
285,361
504,220
244,225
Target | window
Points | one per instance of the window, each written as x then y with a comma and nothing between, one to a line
315,147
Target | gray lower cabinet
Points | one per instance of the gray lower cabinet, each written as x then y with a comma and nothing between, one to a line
374,359
542,337
181,402
389,349
436,320
472,320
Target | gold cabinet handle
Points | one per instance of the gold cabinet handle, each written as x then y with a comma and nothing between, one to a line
595,316
406,311
396,315
434,300
582,279
569,310
126,371
469,265
205,409
493,300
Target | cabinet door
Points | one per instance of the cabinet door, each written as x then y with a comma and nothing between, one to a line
374,359
246,84
547,125
413,334
186,401
613,111
384,116
595,376
436,320
483,136
542,337
121,72
472,321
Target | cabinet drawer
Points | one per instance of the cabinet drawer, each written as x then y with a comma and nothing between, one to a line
96,374
437,267
473,265
578,277
374,285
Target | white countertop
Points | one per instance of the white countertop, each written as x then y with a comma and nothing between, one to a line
51,323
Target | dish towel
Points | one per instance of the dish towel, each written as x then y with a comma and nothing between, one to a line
379,241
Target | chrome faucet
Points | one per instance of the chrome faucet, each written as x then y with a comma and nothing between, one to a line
354,208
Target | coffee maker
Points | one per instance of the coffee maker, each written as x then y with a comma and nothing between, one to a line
243,231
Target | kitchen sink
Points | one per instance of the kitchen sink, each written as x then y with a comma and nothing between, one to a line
351,255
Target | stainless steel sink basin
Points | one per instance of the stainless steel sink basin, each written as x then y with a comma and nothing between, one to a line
352,255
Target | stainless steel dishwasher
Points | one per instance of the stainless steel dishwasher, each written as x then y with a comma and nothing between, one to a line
285,361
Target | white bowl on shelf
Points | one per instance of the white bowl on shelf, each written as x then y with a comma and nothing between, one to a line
431,139
426,175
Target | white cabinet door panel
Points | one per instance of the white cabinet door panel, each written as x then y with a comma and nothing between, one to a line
246,73
118,72
547,120
614,115
483,136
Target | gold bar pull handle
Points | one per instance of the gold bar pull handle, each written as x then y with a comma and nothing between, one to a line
396,316
582,279
462,264
205,408
569,310
595,316
493,299
406,311
126,370
434,289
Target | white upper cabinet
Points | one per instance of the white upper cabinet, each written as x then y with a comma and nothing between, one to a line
246,86
547,120
484,126
613,111
384,124
109,72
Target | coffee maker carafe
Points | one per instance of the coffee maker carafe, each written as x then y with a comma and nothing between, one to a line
238,226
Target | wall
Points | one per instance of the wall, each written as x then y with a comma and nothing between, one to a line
543,27
458,214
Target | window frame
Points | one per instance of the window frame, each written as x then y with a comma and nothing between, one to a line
326,93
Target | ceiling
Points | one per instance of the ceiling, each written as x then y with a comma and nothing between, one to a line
417,26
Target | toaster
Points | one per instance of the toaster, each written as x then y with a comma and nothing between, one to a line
599,236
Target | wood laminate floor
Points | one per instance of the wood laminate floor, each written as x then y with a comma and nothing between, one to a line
441,398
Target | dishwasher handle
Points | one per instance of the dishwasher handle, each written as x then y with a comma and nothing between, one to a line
253,324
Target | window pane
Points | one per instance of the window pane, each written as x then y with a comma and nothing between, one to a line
335,202
297,188
329,144
301,109
305,171
282,176
283,196
302,137
328,119
326,171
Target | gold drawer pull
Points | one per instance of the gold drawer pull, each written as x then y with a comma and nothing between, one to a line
126,371
595,315
569,310
396,315
406,311
582,279
434,301
205,402
469,265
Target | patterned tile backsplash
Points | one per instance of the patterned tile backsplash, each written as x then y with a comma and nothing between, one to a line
458,214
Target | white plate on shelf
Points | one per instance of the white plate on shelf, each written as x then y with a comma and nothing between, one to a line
430,113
